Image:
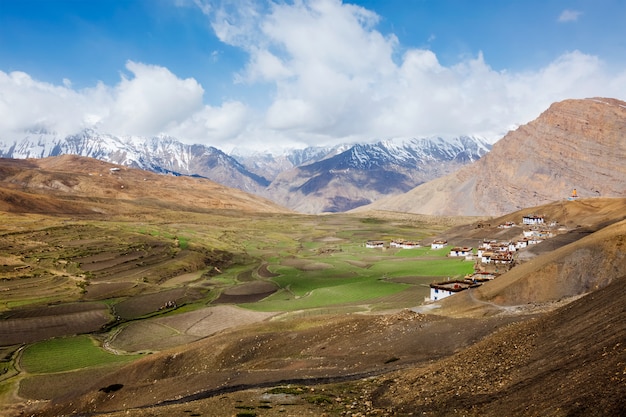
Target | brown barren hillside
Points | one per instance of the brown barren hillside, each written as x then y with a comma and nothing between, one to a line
575,144
73,184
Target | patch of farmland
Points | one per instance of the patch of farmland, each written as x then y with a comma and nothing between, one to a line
264,272
148,335
141,305
109,263
305,265
254,287
107,260
37,289
248,292
359,264
183,279
165,332
104,290
43,323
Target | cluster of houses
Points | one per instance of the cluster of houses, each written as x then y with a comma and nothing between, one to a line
492,257
395,243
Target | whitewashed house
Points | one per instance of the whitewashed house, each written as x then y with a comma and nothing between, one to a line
521,244
461,252
445,289
532,219
439,244
404,244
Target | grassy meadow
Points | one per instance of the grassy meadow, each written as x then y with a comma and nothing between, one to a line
67,354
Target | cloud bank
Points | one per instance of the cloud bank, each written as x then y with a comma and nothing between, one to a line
333,78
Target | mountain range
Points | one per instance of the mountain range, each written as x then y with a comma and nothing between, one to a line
573,145
311,180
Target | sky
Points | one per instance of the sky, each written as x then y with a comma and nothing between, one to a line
293,73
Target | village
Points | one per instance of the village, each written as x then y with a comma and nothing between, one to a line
491,257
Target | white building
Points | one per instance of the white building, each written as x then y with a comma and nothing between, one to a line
439,244
445,289
532,219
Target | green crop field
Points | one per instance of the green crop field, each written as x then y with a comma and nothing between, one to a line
326,296
325,275
66,354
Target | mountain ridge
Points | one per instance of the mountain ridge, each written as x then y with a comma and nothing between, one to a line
311,180
366,172
574,144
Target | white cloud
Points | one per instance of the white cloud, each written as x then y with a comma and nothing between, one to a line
334,78
151,101
214,125
569,16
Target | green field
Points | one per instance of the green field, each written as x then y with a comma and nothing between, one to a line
330,275
66,354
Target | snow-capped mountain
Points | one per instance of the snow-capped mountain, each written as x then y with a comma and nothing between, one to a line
160,154
365,172
271,163
311,180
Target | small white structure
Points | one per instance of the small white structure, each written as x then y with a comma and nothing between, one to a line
532,219
461,252
372,244
445,289
521,244
404,244
439,244
485,257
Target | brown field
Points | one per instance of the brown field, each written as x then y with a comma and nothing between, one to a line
141,305
166,332
104,290
305,265
47,387
34,324
248,292
264,272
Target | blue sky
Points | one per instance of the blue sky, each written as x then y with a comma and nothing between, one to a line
252,73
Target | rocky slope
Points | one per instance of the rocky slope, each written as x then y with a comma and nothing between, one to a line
575,144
